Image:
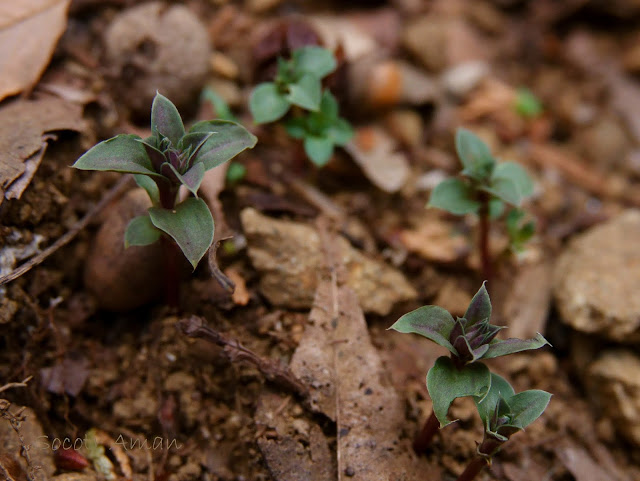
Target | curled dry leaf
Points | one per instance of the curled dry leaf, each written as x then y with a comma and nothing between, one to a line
29,31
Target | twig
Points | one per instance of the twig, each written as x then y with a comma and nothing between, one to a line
16,384
194,326
70,234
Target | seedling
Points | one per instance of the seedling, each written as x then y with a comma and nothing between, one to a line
484,189
527,104
299,82
469,339
519,230
163,163
503,413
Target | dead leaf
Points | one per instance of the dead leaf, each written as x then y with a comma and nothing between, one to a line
374,150
29,31
240,294
435,240
67,376
24,126
581,465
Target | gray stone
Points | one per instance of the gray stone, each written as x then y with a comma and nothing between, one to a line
289,257
597,280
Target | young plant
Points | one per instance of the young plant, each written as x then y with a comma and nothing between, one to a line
484,189
503,413
518,230
527,104
321,130
299,82
469,339
169,159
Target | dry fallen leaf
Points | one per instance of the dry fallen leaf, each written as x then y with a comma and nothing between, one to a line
29,31
24,126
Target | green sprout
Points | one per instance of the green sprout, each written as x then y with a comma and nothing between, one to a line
519,230
169,159
527,104
298,82
503,413
484,189
469,340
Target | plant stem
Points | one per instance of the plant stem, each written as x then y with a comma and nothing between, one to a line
171,272
423,439
473,468
485,253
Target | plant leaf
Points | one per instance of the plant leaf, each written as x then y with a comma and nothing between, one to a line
141,232
190,225
486,406
306,93
319,149
517,174
148,184
527,406
476,158
432,322
445,383
228,139
314,60
505,189
479,308
296,127
455,196
122,153
267,103
341,132
499,348
192,178
496,208
329,106
165,119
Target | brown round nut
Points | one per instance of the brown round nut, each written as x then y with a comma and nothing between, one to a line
123,279
155,46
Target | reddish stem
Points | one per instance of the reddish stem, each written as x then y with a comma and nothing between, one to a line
423,439
485,253
473,468
171,272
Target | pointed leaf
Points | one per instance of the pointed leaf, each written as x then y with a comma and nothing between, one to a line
341,132
315,60
329,106
480,307
165,119
502,348
432,322
296,127
476,158
123,153
306,93
527,406
516,174
496,208
157,158
141,232
455,196
267,103
192,178
505,189
190,225
228,139
319,149
445,383
148,184
500,387
193,142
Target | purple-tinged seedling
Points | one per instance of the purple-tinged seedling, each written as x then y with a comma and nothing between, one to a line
503,413
163,163
469,339
484,189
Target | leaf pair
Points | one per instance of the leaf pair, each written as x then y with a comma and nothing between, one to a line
321,130
505,182
164,162
298,82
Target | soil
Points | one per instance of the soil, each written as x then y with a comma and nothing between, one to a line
279,389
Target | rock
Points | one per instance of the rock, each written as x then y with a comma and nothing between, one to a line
614,382
406,125
123,279
155,46
289,257
461,79
597,280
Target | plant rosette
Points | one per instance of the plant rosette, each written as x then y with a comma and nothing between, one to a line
164,162
469,340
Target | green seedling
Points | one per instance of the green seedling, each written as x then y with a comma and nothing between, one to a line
321,131
485,187
299,82
519,230
222,109
469,340
503,413
169,159
527,104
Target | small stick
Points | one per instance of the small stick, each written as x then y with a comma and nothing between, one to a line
16,384
194,326
116,190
